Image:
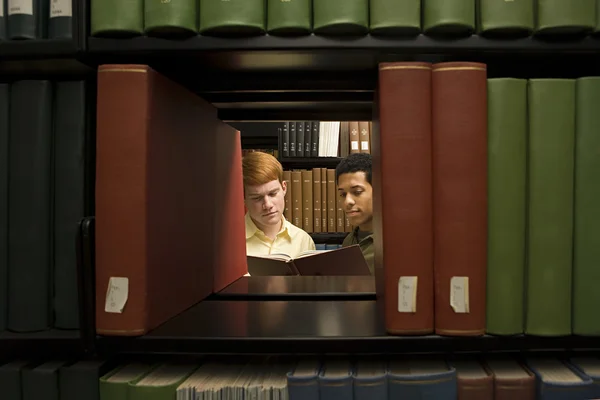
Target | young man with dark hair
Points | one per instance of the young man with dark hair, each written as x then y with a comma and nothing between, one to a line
353,177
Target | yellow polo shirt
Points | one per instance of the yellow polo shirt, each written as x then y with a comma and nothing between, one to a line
290,240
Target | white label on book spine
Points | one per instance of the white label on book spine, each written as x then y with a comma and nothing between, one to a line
354,145
364,145
407,294
20,7
61,8
116,295
459,294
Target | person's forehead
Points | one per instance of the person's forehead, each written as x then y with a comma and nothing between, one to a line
350,179
264,188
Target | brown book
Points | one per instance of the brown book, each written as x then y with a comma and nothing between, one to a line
340,216
474,382
354,137
344,139
331,201
363,127
307,201
297,198
152,260
402,193
459,112
324,203
316,174
347,261
512,380
287,178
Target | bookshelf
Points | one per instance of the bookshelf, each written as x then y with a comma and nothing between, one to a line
266,80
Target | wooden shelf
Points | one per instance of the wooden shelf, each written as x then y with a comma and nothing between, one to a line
310,327
309,162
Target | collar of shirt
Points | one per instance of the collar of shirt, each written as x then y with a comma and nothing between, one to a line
252,229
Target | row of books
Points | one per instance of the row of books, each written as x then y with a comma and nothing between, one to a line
301,17
312,201
42,199
487,190
411,378
36,19
273,152
325,138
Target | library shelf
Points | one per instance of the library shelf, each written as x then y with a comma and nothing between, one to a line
309,327
48,343
301,288
328,238
309,162
44,56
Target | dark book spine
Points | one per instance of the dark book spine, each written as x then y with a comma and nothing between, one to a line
27,19
4,129
300,139
69,142
2,19
30,205
315,138
292,139
60,25
307,138
285,139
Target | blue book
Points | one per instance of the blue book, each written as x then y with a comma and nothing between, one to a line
421,380
335,380
370,380
556,380
303,380
589,366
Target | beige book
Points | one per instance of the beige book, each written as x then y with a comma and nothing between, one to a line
297,198
363,127
324,219
331,201
316,175
307,200
340,216
354,137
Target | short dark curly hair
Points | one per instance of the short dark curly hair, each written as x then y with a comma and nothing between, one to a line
356,162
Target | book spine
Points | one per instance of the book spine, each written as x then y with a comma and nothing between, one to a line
448,17
292,17
347,17
60,24
402,155
117,17
393,17
506,17
4,142
233,17
30,204
307,201
162,18
565,17
317,216
507,188
586,257
459,112
550,206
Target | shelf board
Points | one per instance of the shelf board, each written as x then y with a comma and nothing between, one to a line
308,327
49,343
54,56
309,162
299,288
328,238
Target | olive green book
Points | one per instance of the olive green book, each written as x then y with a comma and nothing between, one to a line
117,18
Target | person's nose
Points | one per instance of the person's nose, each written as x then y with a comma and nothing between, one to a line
349,201
267,203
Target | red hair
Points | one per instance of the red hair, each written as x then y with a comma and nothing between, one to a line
260,168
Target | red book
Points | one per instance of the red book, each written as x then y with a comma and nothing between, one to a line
402,185
169,200
459,111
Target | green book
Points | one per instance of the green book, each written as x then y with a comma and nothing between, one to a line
506,18
115,384
289,17
395,17
448,17
168,17
161,383
550,206
117,18
586,244
562,17
507,172
341,17
233,17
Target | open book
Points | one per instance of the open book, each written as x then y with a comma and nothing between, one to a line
343,261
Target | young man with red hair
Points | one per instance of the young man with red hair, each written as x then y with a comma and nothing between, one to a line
267,230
